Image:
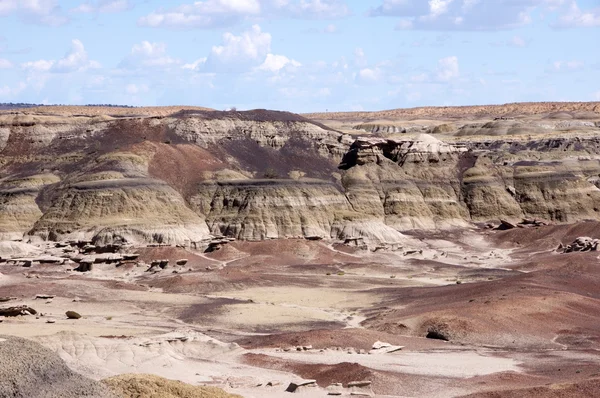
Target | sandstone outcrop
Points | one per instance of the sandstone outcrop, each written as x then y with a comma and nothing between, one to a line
183,178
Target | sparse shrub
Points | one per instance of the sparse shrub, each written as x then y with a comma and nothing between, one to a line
271,173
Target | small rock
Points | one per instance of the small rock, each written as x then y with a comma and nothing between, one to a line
44,297
50,321
72,315
295,386
17,311
182,261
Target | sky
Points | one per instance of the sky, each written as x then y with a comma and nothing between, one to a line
299,55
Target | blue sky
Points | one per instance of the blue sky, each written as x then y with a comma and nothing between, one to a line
299,55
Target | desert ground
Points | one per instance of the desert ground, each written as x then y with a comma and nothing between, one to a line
452,253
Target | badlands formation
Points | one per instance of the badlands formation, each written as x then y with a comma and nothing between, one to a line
187,252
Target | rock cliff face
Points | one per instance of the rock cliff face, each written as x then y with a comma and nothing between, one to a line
185,178
424,184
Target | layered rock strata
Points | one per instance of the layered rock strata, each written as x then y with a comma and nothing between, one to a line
184,178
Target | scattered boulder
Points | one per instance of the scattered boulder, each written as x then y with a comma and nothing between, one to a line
72,315
85,265
506,225
300,386
50,260
183,261
17,311
44,297
361,388
581,244
6,299
130,256
335,389
384,348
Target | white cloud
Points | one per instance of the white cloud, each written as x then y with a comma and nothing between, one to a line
360,59
202,14
369,75
517,41
238,52
103,6
75,60
38,66
576,18
420,78
565,66
149,55
481,15
5,64
45,12
314,9
196,65
134,89
9,92
275,63
217,13
448,69
331,28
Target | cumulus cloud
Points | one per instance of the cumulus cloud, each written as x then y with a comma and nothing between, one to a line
9,92
208,14
448,69
196,65
237,53
275,63
202,14
103,6
45,12
5,64
576,18
517,41
565,66
149,55
134,89
479,14
75,60
369,75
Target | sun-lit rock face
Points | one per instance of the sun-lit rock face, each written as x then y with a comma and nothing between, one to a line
410,183
186,177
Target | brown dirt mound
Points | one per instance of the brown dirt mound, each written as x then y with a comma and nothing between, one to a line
583,389
325,375
150,386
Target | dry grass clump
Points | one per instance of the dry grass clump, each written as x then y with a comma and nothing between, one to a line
151,386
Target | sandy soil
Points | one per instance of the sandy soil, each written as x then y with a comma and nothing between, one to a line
521,316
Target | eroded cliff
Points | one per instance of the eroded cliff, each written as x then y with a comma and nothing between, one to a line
184,178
